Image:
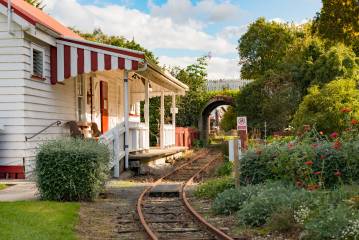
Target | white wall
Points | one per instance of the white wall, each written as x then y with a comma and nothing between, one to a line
28,105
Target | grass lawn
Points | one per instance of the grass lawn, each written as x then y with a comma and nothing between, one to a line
2,186
38,220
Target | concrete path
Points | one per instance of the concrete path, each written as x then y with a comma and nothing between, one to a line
19,191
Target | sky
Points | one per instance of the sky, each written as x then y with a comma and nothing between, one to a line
180,31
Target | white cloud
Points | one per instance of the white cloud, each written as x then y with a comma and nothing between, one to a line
218,68
150,31
185,11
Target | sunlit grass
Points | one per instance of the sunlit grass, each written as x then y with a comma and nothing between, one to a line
40,220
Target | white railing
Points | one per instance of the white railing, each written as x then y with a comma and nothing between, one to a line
169,133
139,137
114,139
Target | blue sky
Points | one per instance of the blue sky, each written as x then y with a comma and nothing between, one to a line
179,31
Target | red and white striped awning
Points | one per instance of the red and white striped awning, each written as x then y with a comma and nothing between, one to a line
72,57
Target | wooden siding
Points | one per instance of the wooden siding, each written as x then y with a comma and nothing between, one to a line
28,105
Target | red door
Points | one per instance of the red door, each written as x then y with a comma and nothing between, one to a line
104,106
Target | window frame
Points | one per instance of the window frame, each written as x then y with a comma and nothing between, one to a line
42,50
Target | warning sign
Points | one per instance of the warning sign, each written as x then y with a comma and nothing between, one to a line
242,124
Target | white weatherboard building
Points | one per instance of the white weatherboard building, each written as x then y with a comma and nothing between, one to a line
49,74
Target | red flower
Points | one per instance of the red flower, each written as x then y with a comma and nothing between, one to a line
337,173
337,145
322,157
334,135
317,173
290,145
309,163
355,122
346,110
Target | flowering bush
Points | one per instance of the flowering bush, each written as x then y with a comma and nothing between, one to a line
284,207
312,161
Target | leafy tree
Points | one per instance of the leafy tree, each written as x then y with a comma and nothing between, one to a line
229,119
309,62
190,105
324,107
36,3
98,36
338,21
262,47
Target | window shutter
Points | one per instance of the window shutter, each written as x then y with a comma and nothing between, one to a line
38,63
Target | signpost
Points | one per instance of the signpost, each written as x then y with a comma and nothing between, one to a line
239,146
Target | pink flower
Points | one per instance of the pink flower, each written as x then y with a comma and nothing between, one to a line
317,173
309,163
334,135
338,173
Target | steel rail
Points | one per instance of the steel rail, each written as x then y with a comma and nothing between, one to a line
218,233
147,228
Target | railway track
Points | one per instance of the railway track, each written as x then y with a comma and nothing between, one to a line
168,214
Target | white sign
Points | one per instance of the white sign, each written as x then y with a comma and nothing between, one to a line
242,124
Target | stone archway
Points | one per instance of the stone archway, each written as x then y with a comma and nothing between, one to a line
213,103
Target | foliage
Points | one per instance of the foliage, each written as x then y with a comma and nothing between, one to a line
225,169
338,21
322,107
190,105
2,186
36,3
231,200
213,187
331,222
280,85
283,207
38,220
71,169
262,47
98,36
229,120
282,221
257,210
310,161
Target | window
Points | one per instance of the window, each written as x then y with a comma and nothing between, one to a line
37,62
80,90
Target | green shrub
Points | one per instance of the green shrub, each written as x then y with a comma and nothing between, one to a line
322,106
308,162
225,169
282,221
211,188
272,197
332,223
232,200
71,169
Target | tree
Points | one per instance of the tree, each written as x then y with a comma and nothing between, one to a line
36,3
338,21
98,36
190,105
262,47
229,119
324,107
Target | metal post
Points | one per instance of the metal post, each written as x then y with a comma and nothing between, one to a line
162,121
126,116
